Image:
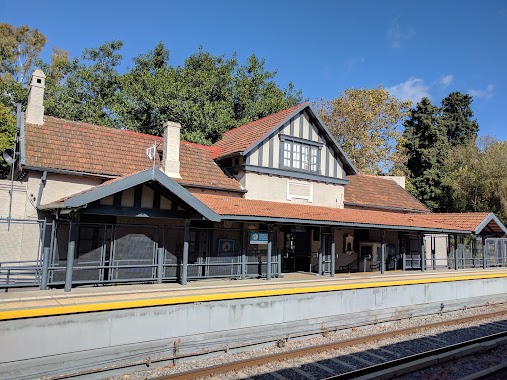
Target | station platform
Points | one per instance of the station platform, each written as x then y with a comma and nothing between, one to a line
36,303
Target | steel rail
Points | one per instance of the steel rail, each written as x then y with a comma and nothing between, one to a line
241,364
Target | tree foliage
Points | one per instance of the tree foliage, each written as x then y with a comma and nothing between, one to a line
425,144
364,122
84,90
208,95
7,136
476,175
456,119
19,48
430,134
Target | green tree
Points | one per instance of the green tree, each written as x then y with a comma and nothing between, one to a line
256,94
364,123
430,134
476,176
19,48
425,143
85,90
148,95
456,119
7,136
208,95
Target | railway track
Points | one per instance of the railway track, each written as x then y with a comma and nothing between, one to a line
379,356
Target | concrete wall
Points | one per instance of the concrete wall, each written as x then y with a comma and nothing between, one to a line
22,241
35,347
276,189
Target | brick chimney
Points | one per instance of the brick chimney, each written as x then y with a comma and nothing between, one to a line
35,106
171,154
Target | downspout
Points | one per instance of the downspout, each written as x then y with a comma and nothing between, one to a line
42,184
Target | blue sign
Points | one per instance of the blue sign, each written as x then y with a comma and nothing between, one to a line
258,238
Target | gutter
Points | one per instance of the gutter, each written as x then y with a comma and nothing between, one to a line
341,224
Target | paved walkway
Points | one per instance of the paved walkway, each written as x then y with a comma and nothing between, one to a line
36,303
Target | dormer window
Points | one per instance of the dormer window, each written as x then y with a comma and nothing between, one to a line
300,154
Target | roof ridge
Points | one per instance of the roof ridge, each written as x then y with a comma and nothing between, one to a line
266,117
117,130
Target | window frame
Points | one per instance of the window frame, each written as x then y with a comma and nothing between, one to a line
294,156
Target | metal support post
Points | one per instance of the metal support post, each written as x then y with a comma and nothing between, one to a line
423,254
433,253
484,247
160,264
243,263
319,258
71,248
403,256
186,239
333,253
462,250
45,268
270,247
455,252
382,251
279,258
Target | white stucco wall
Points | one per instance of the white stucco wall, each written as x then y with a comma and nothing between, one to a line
275,189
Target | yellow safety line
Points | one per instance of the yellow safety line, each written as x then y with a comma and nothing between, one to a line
118,305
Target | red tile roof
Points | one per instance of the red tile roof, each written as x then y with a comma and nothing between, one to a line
88,148
469,220
224,205
239,139
374,191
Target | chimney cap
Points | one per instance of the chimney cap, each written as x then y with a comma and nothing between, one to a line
173,124
38,73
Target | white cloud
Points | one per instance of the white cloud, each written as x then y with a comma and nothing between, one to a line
413,89
446,80
396,34
486,93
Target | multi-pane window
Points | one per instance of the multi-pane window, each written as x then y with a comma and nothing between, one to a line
298,155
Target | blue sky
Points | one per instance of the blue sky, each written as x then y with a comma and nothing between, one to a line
412,48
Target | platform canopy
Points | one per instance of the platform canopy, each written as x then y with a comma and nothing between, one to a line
153,178
477,223
232,208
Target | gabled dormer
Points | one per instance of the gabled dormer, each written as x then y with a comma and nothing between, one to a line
291,153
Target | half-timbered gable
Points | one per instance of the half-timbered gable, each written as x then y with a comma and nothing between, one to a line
291,157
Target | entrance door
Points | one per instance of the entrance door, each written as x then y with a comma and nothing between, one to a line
327,240
297,250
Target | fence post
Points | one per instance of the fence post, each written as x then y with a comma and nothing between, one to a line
45,268
433,252
270,244
160,265
186,239
484,248
463,252
455,252
279,258
71,248
382,252
423,254
333,252
243,263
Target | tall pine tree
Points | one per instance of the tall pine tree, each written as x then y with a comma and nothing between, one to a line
425,143
429,136
456,119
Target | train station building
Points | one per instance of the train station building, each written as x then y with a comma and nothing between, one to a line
96,205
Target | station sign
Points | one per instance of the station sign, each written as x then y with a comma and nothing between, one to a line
257,237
